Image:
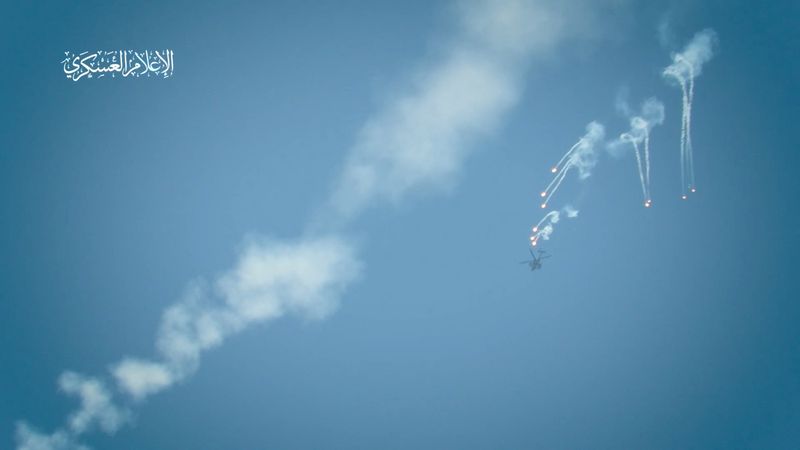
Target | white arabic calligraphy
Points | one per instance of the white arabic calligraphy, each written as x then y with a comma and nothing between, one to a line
124,62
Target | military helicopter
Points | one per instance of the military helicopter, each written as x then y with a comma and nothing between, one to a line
536,262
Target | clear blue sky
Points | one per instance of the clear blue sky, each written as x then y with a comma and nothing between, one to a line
661,328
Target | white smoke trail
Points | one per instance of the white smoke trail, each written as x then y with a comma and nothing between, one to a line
647,162
582,156
585,156
557,180
418,141
685,109
651,115
564,158
554,180
685,67
271,279
689,147
627,137
685,120
421,140
570,211
544,219
544,229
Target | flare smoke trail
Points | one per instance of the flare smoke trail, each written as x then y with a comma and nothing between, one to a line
685,145
581,156
554,185
626,137
558,166
546,226
647,160
417,142
685,67
644,166
652,114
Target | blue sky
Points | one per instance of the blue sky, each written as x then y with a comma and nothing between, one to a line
309,237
